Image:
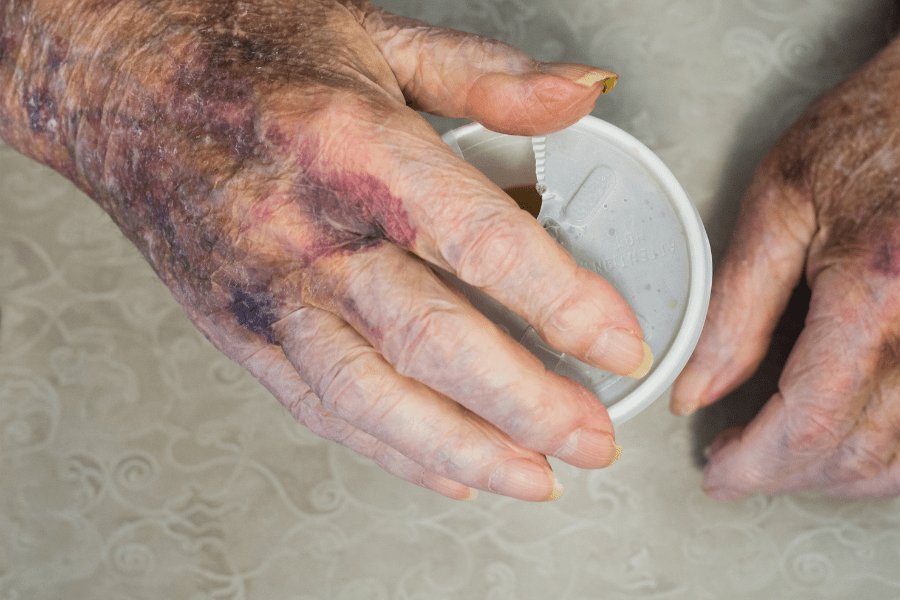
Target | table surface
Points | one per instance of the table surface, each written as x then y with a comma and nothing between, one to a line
136,462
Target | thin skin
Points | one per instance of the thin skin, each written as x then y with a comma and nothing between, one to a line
263,158
824,204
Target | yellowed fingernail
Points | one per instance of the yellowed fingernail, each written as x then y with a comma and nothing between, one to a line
685,411
585,75
644,367
621,352
690,391
609,82
557,491
473,494
617,456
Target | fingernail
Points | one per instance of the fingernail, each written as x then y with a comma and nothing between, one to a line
588,448
556,493
617,456
690,391
581,74
684,410
447,487
623,353
525,479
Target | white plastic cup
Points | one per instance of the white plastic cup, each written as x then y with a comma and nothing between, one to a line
620,212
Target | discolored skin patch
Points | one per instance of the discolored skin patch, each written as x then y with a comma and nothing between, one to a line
255,312
885,260
177,144
43,114
353,211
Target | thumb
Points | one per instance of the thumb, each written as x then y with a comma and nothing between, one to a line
456,74
752,287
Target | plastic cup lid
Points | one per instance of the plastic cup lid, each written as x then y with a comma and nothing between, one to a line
620,212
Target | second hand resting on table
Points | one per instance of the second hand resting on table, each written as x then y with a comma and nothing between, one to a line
824,205
264,158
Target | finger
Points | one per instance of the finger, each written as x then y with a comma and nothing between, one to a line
412,189
456,74
885,485
437,338
800,439
865,464
359,387
751,288
278,375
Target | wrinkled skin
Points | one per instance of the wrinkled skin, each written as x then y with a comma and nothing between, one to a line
824,204
265,158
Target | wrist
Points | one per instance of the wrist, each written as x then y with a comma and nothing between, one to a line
39,50
58,61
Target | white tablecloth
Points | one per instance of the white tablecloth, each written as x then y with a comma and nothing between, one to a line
137,463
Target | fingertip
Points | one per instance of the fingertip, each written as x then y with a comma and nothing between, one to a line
646,363
589,448
719,476
525,479
621,352
556,492
689,392
447,487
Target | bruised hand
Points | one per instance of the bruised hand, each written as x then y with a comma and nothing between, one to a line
824,205
266,158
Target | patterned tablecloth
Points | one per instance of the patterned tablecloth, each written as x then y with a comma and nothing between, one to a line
136,462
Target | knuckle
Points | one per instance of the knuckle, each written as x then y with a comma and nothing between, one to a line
348,391
818,429
453,458
751,479
562,314
305,408
465,451
428,342
861,460
493,252
309,412
384,456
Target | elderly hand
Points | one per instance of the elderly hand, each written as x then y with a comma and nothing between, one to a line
264,157
825,203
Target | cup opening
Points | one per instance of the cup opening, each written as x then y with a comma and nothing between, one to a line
527,197
508,161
